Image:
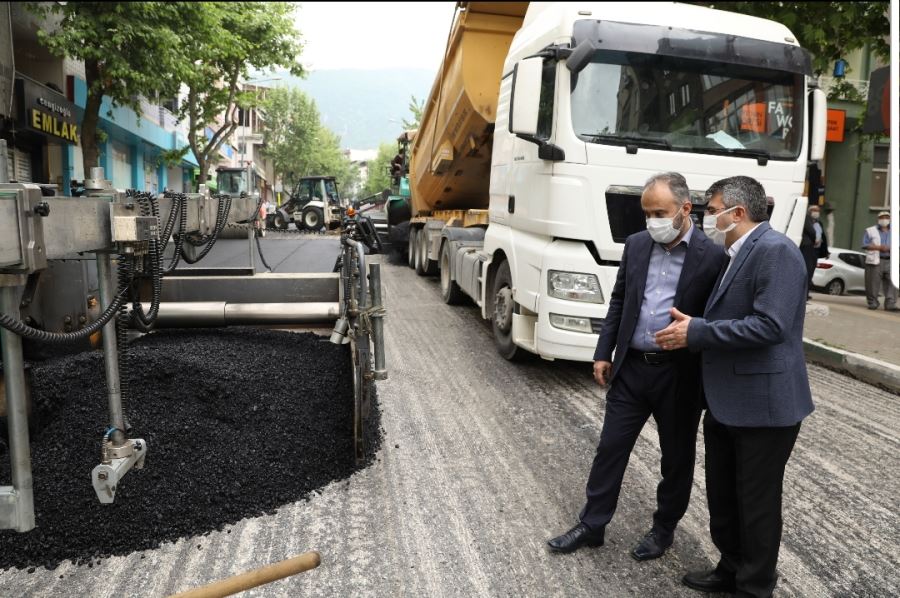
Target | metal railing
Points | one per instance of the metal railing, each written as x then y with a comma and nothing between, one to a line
827,84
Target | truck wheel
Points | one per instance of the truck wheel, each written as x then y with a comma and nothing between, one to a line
424,266
417,250
279,222
450,291
411,248
502,316
312,218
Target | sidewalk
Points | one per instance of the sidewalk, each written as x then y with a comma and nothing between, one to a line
841,333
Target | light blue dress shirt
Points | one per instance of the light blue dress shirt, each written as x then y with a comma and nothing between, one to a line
663,273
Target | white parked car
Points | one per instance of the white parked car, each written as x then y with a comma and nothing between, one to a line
843,271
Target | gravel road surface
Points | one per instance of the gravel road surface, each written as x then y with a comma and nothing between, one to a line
483,460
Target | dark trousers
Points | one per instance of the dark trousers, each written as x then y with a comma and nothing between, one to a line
810,257
744,474
668,392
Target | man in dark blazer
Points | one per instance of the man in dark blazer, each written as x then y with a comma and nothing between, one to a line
672,263
755,385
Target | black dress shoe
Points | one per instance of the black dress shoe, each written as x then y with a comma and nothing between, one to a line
575,538
652,546
709,581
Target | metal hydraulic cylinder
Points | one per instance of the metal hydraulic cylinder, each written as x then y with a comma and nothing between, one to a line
110,350
377,319
16,502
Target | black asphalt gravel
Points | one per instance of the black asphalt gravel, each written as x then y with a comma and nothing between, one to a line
238,422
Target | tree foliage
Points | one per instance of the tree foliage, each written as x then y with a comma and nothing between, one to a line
128,49
416,107
379,177
829,30
222,45
297,142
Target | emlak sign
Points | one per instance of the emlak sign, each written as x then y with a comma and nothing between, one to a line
44,111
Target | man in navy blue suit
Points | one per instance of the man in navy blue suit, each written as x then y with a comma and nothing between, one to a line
671,264
755,385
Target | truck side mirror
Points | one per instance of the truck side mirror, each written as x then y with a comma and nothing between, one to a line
526,96
818,124
581,56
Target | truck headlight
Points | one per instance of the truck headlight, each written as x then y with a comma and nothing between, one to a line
571,323
574,286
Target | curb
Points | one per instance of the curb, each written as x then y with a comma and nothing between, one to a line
868,369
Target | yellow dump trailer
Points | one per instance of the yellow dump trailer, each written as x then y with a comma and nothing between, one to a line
451,155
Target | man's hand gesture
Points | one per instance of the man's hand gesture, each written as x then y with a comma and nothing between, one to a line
674,336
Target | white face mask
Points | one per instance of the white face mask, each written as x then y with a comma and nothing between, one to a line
814,215
663,230
884,222
710,226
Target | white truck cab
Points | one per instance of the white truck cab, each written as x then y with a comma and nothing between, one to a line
596,98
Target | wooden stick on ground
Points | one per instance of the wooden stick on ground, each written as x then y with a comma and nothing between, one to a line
256,577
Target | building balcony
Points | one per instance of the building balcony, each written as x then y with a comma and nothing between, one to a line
832,87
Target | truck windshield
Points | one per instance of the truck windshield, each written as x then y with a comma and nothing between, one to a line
680,104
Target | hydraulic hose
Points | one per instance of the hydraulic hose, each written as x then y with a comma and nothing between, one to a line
180,200
262,258
221,218
24,330
153,262
126,279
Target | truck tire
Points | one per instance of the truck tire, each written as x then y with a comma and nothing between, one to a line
411,248
279,222
450,291
417,251
424,266
312,218
501,316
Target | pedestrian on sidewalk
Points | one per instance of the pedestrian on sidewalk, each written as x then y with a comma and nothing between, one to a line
877,243
671,264
813,244
755,385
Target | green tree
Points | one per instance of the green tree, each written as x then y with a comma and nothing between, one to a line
297,142
222,45
328,159
129,49
416,107
379,177
829,30
289,131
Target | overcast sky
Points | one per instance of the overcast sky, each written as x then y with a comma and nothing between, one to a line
372,35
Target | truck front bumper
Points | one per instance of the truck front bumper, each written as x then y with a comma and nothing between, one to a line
553,341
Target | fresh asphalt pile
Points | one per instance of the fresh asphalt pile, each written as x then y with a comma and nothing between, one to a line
238,422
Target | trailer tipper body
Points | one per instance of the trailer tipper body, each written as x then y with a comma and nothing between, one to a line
546,119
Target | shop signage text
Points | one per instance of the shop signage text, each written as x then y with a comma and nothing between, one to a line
45,111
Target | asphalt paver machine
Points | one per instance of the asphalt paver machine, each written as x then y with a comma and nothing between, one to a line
130,244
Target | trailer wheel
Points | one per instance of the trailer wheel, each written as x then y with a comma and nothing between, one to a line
502,316
424,266
420,237
411,248
450,291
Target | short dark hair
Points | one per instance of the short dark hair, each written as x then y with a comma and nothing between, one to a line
676,184
742,191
